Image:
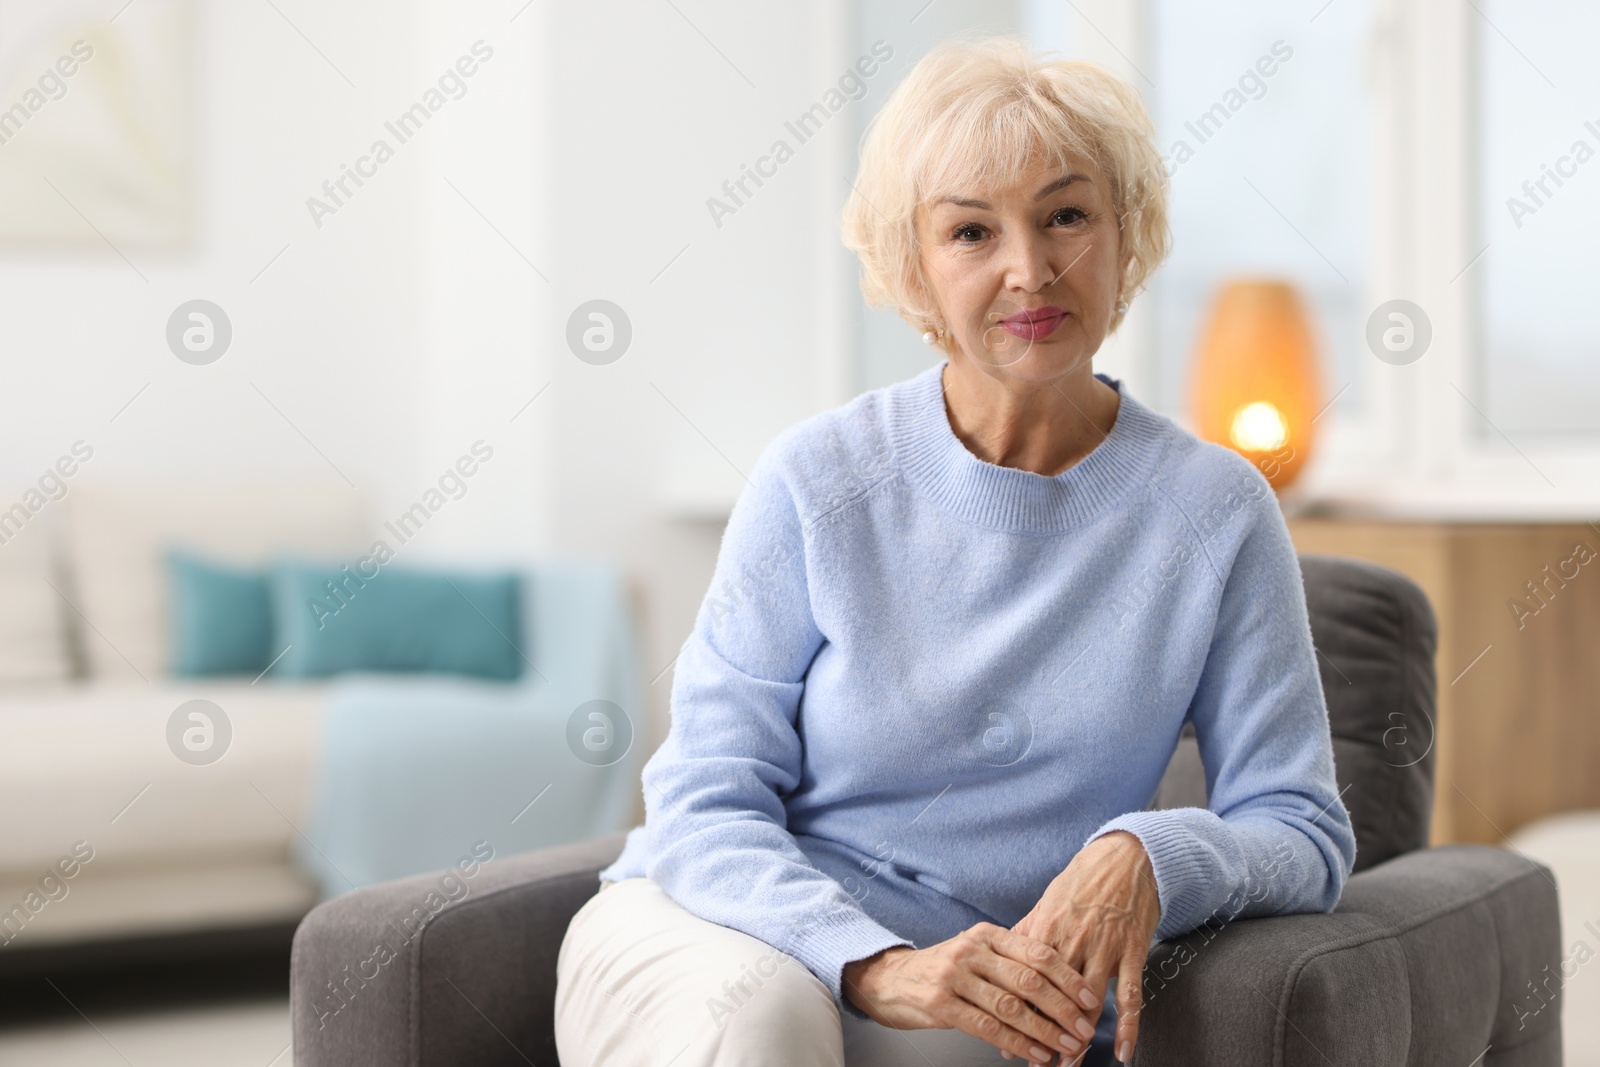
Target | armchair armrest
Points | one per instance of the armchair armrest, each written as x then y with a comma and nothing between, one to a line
1431,957
441,968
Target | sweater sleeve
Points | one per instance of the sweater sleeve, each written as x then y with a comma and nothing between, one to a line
715,819
1276,838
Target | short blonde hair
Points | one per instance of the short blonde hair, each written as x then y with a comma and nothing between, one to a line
973,113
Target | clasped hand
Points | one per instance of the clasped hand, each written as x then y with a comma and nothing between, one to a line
1036,989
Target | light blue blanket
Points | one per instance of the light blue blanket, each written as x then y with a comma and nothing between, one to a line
415,769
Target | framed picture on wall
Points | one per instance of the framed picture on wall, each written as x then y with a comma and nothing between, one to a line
96,138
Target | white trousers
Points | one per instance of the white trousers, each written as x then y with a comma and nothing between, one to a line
641,982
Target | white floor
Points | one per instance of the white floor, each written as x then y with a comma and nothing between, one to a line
1569,845
251,1035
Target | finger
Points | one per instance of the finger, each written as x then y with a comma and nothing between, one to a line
1077,952
983,1025
1013,1010
1097,976
1044,958
1130,1000
1034,989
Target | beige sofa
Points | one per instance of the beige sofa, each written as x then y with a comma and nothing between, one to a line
88,782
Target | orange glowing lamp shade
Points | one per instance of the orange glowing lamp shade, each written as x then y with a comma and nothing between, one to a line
1255,385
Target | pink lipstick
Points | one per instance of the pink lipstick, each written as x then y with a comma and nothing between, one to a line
1035,324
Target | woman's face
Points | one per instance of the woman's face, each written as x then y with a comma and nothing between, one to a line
1026,276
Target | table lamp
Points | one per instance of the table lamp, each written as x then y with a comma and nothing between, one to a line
1255,385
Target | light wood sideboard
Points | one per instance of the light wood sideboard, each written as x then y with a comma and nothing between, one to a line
1518,730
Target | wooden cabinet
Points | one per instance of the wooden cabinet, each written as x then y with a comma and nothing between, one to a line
1518,731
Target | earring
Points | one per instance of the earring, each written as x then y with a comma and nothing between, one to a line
930,337
1122,307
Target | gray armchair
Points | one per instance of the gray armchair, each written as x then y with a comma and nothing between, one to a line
1425,961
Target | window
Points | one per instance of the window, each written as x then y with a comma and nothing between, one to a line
1539,214
1261,115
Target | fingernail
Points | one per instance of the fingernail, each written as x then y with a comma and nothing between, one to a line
1039,1055
1087,999
1085,1031
1070,1043
1125,1052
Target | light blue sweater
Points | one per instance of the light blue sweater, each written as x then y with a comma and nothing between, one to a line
920,683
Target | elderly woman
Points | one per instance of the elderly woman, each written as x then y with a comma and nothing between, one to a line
956,628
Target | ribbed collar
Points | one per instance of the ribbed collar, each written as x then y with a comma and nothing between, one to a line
937,462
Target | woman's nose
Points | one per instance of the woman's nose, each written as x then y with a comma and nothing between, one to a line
1027,262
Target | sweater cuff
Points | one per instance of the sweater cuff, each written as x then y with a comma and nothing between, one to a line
843,935
1180,870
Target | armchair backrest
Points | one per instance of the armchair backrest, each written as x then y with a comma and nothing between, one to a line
1375,637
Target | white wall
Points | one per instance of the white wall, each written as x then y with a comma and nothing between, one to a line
736,338
415,320
329,333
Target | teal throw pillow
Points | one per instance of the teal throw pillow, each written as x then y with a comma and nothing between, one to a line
220,618
366,617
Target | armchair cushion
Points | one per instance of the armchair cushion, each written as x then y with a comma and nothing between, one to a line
1427,959
470,982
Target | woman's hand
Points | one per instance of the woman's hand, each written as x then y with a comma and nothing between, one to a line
1100,913
980,982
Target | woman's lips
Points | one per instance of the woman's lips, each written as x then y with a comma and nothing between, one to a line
1034,325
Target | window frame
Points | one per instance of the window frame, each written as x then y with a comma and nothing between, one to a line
1427,448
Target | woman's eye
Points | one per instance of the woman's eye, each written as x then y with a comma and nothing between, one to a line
968,234
1070,215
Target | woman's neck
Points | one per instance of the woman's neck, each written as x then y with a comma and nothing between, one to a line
1044,426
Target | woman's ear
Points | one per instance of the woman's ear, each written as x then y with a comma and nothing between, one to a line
1122,277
